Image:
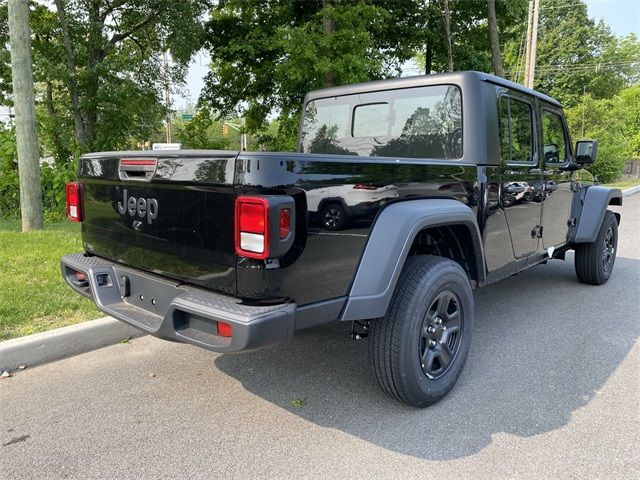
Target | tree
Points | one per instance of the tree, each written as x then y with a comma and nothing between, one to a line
470,31
97,64
268,54
575,54
615,123
446,13
494,38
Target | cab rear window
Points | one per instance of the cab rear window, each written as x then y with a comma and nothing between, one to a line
422,122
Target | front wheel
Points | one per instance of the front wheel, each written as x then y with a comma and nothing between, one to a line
417,351
594,261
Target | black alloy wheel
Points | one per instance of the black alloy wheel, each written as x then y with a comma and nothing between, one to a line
441,334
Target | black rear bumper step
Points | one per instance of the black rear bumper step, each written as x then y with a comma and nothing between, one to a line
173,311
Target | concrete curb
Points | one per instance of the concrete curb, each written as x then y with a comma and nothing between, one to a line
63,342
630,191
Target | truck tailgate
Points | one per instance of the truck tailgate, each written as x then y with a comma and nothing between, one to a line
165,212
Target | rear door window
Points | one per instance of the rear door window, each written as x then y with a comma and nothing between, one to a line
516,131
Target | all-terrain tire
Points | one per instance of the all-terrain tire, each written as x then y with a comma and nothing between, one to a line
400,341
594,261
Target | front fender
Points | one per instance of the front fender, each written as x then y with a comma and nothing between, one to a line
594,204
388,247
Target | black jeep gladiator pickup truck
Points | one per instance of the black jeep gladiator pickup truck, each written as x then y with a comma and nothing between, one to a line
405,195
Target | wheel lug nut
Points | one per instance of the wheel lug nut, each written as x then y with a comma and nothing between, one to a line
432,343
431,329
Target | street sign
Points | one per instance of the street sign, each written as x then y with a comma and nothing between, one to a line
187,116
166,146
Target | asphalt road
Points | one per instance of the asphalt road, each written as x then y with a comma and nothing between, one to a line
551,390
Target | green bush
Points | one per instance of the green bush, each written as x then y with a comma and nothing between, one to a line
52,178
9,188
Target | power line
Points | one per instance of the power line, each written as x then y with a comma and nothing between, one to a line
578,67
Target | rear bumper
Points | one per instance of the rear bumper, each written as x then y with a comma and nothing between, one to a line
173,311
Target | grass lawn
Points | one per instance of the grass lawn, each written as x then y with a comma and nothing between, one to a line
33,295
624,184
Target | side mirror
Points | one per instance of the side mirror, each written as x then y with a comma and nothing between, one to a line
586,151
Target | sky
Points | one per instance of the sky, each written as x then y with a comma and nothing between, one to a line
622,16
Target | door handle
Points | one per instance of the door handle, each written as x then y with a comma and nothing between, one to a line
535,171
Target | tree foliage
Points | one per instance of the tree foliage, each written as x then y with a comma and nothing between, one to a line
615,123
97,64
575,54
268,54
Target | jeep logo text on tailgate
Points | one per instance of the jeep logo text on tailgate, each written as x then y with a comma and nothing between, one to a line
142,207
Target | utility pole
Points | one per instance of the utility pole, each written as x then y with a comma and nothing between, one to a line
532,41
25,112
167,96
243,136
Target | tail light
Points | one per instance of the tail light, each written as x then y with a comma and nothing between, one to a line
264,226
74,201
252,227
364,186
284,224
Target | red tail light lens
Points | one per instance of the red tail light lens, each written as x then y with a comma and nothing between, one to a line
364,186
252,217
224,329
252,227
74,201
285,223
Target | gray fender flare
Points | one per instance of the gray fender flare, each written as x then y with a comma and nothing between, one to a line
594,205
388,247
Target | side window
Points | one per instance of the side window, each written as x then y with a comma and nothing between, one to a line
516,131
371,120
554,138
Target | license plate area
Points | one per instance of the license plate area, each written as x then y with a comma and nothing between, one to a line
145,292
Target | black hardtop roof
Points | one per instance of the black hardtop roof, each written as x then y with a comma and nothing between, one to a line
456,78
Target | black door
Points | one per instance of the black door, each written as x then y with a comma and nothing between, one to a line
520,172
557,195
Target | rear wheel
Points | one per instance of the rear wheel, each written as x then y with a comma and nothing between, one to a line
419,348
594,261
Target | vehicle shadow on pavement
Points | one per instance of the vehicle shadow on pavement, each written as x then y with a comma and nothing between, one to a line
543,346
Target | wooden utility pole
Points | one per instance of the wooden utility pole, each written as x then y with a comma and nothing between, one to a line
25,111
167,96
532,40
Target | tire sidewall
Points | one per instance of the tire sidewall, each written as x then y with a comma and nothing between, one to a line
445,276
608,221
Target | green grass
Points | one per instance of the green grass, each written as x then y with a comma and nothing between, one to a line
33,295
624,184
